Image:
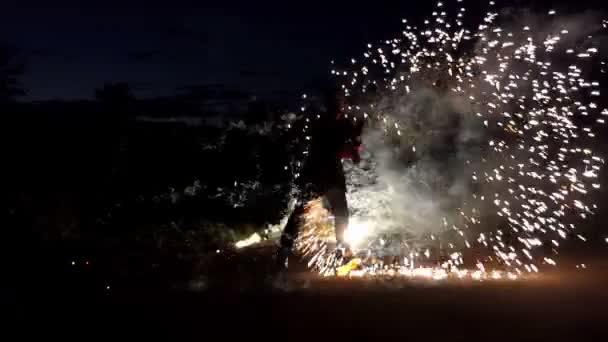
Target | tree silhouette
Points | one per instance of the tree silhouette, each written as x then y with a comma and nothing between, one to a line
115,102
114,95
10,72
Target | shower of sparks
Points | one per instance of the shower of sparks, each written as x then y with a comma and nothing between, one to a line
538,101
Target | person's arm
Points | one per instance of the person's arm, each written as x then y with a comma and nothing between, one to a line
357,140
352,144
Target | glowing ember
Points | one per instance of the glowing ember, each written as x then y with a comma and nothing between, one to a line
428,273
348,267
253,239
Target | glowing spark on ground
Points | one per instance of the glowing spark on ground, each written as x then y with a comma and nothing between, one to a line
253,239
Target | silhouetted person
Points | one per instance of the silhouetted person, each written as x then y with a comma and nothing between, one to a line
333,137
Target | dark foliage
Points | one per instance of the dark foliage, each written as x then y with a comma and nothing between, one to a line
89,180
11,69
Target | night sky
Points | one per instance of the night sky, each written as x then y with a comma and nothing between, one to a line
262,46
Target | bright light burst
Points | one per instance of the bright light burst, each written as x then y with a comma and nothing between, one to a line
357,233
251,240
537,94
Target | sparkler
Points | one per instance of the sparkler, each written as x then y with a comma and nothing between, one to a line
539,103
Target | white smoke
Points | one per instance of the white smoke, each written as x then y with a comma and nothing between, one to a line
416,184
413,184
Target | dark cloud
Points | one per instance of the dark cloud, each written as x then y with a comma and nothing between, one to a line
257,74
213,90
143,86
49,54
182,32
42,52
108,26
143,55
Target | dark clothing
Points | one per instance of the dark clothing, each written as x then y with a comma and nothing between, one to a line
323,176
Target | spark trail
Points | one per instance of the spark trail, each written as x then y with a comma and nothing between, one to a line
536,93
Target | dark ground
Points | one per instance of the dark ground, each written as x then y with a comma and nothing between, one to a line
567,305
